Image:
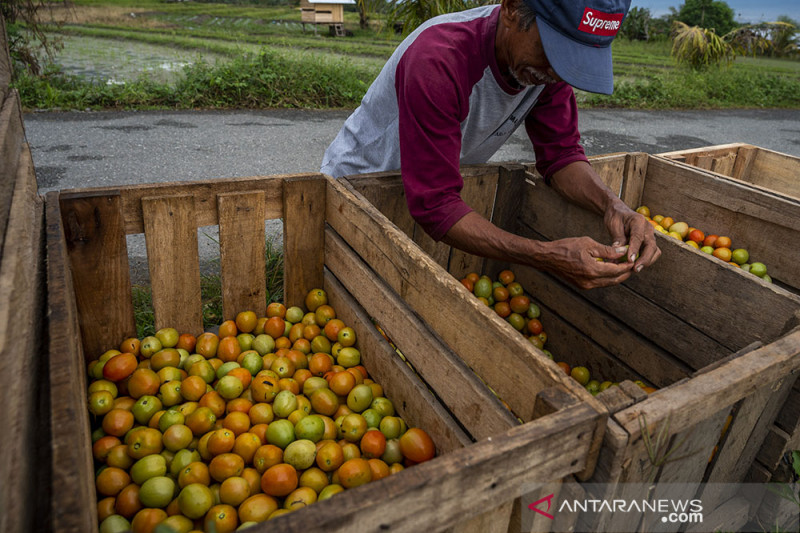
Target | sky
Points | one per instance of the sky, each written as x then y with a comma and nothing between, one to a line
744,10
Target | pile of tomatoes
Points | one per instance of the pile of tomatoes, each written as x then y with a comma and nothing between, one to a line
264,417
719,246
509,300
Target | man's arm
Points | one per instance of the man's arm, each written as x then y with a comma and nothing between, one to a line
574,259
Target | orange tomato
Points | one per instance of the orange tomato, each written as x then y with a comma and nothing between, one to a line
417,445
207,343
143,381
225,465
354,472
722,242
120,367
117,422
146,520
186,341
246,321
279,480
373,444
111,481
228,349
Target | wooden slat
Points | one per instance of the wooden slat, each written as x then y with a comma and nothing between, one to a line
419,281
776,171
547,448
744,161
72,510
303,236
98,257
763,223
479,194
242,249
23,367
456,385
724,164
635,171
12,135
413,401
173,258
5,62
511,186
385,191
205,194
586,335
747,431
708,393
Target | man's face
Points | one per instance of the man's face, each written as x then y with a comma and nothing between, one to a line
525,58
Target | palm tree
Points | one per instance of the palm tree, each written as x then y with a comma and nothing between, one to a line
699,47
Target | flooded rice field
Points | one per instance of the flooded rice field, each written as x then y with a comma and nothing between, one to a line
117,61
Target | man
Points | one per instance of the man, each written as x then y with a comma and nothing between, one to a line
457,88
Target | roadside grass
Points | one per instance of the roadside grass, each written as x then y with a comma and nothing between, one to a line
273,63
210,294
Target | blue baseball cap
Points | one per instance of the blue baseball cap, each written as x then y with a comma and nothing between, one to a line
577,36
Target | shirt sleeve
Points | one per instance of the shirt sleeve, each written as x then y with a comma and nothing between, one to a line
431,101
552,126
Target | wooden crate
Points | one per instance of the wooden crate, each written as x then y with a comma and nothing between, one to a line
715,340
23,392
765,169
371,271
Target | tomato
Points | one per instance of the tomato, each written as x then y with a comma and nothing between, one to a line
417,445
120,367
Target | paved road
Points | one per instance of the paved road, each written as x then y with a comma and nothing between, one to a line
100,149
97,149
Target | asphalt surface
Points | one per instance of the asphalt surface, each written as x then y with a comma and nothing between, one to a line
92,149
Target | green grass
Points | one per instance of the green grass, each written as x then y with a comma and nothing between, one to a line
274,64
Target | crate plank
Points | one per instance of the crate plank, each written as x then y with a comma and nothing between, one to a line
479,194
577,330
71,463
775,171
745,435
554,218
633,180
461,391
387,193
242,253
418,403
724,164
5,62
303,237
12,134
707,393
425,283
24,393
511,185
745,156
173,258
99,263
205,194
761,223
402,502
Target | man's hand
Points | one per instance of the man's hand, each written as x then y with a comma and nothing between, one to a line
584,262
580,184
629,227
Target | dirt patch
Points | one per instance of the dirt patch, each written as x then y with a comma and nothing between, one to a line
129,17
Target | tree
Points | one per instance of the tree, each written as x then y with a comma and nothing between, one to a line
699,47
766,38
636,25
712,14
26,36
366,8
411,13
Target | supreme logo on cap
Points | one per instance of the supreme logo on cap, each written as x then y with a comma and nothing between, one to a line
599,23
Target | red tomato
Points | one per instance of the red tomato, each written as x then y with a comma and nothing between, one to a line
417,445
